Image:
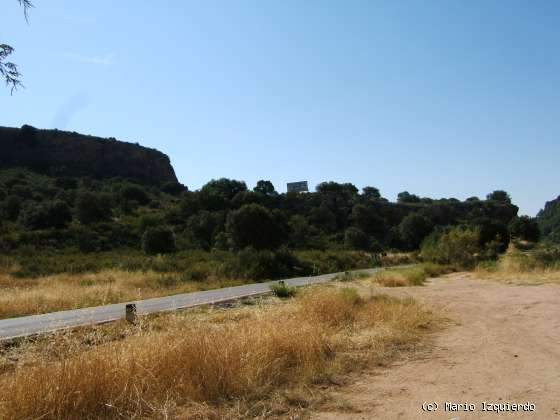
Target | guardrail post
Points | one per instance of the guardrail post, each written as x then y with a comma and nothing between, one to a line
131,313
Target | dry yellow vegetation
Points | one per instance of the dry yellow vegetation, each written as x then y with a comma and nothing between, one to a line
21,296
25,296
412,276
522,267
250,361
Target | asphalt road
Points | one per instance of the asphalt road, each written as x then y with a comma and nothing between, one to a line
37,324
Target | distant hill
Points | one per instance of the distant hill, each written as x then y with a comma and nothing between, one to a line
549,220
62,153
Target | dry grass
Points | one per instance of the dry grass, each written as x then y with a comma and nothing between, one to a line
413,276
520,268
262,360
70,291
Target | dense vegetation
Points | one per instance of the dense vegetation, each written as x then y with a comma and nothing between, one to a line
73,203
47,220
549,221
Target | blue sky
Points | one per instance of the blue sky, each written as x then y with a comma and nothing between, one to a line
440,98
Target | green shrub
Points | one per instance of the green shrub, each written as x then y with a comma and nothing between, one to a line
413,229
173,188
354,238
416,276
55,214
368,221
93,207
525,228
263,264
201,228
282,290
547,257
85,239
333,261
455,246
11,207
255,226
436,270
303,235
148,221
133,193
494,235
158,240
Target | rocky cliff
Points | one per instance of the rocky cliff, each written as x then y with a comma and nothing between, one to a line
62,153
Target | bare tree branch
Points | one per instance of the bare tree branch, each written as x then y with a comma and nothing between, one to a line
8,70
26,6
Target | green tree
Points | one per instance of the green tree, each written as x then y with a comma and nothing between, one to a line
414,228
323,218
336,188
266,264
458,245
133,192
218,193
11,207
85,239
492,230
174,188
354,238
339,199
158,240
55,214
27,135
499,196
148,221
304,235
189,204
265,187
371,193
255,226
406,197
92,207
525,228
201,228
366,219
549,220
245,197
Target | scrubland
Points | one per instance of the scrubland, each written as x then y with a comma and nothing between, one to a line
70,291
272,358
535,266
410,276
77,281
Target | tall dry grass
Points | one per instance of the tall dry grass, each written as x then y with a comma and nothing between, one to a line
24,296
541,266
413,276
203,366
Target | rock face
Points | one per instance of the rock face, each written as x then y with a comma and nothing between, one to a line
62,153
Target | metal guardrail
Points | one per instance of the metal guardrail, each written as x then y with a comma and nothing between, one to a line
39,324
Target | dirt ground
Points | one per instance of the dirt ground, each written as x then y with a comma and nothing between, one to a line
503,346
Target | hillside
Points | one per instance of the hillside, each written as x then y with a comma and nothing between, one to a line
549,220
62,153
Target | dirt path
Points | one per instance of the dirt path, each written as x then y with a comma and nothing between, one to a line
504,346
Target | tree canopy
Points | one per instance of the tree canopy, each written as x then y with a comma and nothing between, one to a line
225,215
